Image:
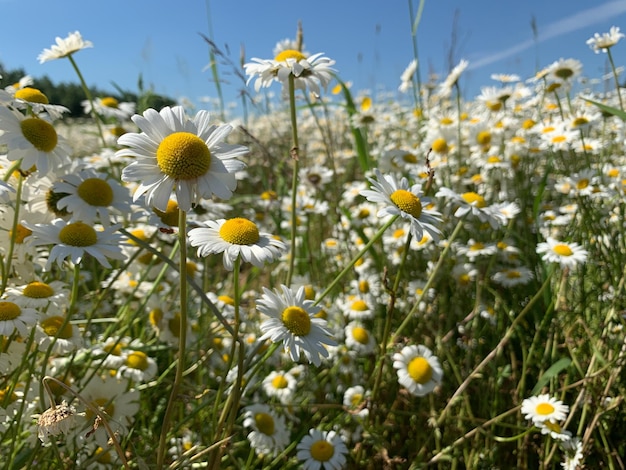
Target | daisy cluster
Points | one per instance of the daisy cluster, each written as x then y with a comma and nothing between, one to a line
199,291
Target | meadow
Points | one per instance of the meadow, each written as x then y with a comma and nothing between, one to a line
330,280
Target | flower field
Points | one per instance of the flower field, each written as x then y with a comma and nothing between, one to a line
333,280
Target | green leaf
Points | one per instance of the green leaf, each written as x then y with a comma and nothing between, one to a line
552,372
609,109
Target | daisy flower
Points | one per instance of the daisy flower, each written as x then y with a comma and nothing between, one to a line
308,72
236,237
64,47
511,277
359,338
177,153
405,201
555,430
418,369
138,366
544,408
40,295
90,196
322,450
573,453
76,239
28,98
406,79
281,385
293,321
33,141
55,328
110,107
354,397
13,317
269,433
567,254
476,204
603,42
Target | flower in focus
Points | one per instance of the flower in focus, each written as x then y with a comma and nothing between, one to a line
603,42
322,449
406,201
236,237
64,47
269,433
293,321
33,141
567,254
176,153
309,72
418,369
76,239
544,408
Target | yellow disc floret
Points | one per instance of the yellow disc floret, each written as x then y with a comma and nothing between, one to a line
32,95
110,102
280,382
39,133
360,334
78,234
240,231
474,199
322,451
38,290
264,423
137,360
296,320
420,370
52,327
289,54
95,192
183,156
562,250
407,202
9,311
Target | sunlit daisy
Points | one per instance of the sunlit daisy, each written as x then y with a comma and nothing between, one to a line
603,42
406,201
293,322
359,338
137,366
281,385
418,369
56,329
76,239
177,153
309,72
238,237
91,197
322,450
33,99
40,295
15,318
543,408
110,107
269,434
33,141
567,254
64,47
476,204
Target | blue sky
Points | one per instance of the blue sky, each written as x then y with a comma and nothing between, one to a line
369,39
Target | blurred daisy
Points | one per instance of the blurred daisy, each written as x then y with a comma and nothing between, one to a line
603,42
418,369
322,449
110,107
76,239
137,366
476,204
91,197
64,47
33,141
15,318
567,254
238,237
281,385
354,399
293,321
269,434
359,338
177,153
309,72
554,430
565,70
544,408
55,329
511,277
405,201
445,88
406,79
40,295
29,98
573,453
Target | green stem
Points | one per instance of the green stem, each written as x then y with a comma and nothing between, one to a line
294,180
182,338
16,220
89,97
619,95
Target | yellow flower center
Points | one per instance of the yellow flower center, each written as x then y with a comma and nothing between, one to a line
103,456
110,102
409,158
170,216
104,404
155,316
364,286
118,131
9,311
289,54
494,159
264,423
226,299
174,325
183,156
296,320
564,73
512,274
51,203
240,231
38,290
494,105
137,360
52,327
360,334
21,233
359,306
420,370
580,121
95,192
32,95
114,349
7,398
78,234
39,133
474,199
552,426
557,139
544,409
483,138
562,250
356,399
477,246
269,195
446,121
279,382
440,145
582,184
322,450
407,202
366,104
